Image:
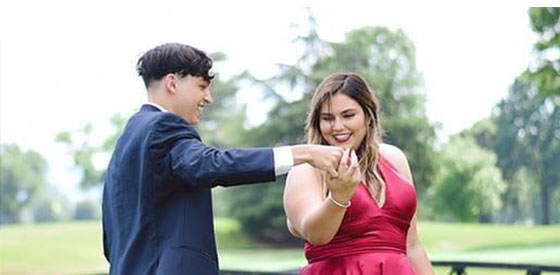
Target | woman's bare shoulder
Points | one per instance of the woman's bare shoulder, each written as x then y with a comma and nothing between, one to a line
391,152
396,156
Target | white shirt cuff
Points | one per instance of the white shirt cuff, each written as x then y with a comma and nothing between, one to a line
283,160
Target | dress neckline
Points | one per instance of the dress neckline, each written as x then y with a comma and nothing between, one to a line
379,173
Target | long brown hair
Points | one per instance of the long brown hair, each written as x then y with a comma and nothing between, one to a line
354,86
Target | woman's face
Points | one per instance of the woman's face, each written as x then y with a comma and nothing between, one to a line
342,122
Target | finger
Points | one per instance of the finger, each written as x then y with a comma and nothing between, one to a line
354,158
354,167
351,162
333,173
344,160
339,157
338,152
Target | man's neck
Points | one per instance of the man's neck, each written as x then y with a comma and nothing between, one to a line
157,106
159,103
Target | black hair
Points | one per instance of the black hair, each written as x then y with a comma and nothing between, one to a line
173,58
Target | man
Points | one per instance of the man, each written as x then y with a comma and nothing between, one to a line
157,208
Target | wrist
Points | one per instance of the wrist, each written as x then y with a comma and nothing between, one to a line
340,197
342,204
301,154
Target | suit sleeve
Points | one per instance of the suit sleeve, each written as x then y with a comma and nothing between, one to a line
178,151
106,243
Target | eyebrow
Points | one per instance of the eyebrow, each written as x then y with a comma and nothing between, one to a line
348,110
343,112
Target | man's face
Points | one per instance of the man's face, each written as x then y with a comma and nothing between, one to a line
192,95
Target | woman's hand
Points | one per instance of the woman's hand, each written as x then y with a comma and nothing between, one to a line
343,187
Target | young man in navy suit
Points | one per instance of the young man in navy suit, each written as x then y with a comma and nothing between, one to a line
157,207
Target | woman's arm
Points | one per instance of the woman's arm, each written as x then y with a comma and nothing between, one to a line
310,215
414,250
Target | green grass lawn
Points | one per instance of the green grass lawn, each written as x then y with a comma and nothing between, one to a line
52,248
76,247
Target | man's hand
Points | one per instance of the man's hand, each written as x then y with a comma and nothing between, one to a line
319,156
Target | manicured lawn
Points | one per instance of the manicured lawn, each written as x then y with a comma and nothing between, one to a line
76,247
449,237
52,248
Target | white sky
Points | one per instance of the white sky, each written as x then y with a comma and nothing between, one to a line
63,64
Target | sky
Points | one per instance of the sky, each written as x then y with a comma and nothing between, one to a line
64,64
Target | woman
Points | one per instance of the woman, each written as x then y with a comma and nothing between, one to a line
363,221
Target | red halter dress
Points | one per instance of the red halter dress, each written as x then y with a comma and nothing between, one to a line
370,240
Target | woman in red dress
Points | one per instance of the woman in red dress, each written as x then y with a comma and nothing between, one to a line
364,220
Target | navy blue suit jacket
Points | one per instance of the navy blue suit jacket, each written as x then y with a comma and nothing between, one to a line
157,207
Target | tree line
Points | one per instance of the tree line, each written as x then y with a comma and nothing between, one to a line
503,169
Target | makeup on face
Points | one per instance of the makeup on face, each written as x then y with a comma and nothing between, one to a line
342,122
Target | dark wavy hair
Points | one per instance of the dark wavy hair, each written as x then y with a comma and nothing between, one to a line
173,58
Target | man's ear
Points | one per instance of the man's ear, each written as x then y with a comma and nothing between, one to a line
170,82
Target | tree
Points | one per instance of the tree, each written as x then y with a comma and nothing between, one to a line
47,211
528,136
469,185
86,210
545,70
524,132
387,60
224,119
50,205
22,176
83,151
